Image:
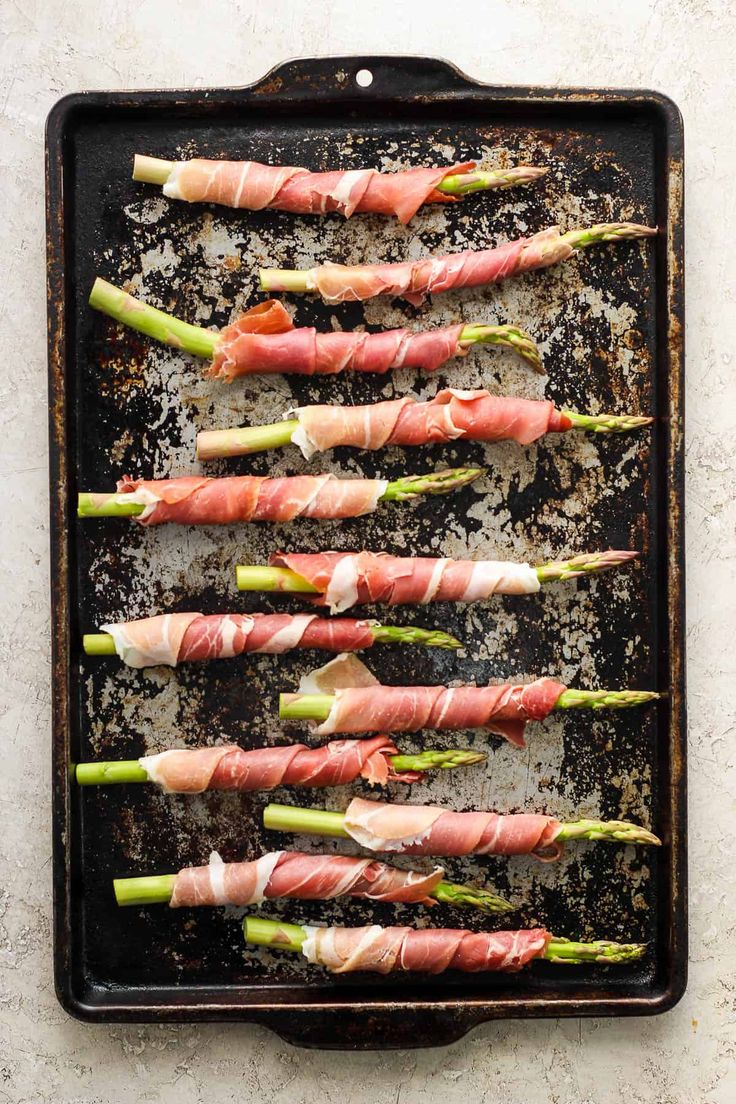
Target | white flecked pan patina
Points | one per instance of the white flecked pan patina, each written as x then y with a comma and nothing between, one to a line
607,323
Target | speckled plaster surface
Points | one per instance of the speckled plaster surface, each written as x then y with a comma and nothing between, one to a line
688,50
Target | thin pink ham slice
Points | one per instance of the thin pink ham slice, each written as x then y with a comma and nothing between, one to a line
503,710
415,280
264,340
432,950
345,579
431,830
451,414
307,877
185,637
227,767
206,500
253,186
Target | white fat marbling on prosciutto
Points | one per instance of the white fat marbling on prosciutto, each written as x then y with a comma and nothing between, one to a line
151,641
265,867
289,636
500,577
216,871
171,187
342,590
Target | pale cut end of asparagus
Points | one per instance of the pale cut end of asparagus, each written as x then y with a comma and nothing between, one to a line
96,644
151,170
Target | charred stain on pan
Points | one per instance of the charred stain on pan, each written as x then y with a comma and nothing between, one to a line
138,410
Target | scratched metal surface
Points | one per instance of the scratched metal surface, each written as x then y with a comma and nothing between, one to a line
136,408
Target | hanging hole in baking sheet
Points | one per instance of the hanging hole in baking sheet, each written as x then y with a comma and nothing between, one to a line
364,78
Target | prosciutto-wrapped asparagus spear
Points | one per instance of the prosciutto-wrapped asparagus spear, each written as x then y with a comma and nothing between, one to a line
356,702
415,280
228,767
432,830
253,186
303,876
265,340
204,500
449,416
340,580
174,638
430,950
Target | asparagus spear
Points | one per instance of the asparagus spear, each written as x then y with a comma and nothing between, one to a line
244,440
130,770
94,504
290,937
262,578
98,644
157,890
305,280
316,707
324,822
154,170
128,310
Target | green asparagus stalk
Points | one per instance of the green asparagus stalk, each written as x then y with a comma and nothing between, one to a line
244,440
130,770
316,707
93,504
290,937
153,170
129,311
157,890
304,280
98,644
324,822
269,579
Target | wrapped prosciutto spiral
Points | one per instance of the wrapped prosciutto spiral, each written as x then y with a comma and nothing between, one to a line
173,638
255,187
432,950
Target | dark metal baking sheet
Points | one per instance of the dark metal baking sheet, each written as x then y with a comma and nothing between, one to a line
611,328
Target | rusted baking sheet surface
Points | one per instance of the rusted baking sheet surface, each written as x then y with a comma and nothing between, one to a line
609,324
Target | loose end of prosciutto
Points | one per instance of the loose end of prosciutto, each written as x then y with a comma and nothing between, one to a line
432,830
303,876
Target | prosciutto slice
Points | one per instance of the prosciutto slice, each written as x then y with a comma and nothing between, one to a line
253,186
431,830
264,340
432,950
307,877
173,638
451,414
345,579
206,500
228,767
415,280
368,707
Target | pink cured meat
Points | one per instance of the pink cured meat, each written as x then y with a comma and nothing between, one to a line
191,637
430,950
253,186
345,579
415,280
206,500
451,414
227,767
264,340
307,877
432,830
503,710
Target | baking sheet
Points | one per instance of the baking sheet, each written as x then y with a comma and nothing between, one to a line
609,325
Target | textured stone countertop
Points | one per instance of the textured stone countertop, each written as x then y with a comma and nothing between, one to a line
686,49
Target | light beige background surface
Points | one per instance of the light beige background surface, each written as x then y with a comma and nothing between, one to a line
686,49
